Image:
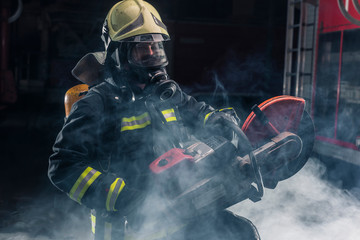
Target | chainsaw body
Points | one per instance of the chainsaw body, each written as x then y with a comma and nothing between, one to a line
212,174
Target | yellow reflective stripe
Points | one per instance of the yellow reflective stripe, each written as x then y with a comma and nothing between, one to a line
83,183
79,180
115,188
171,110
207,116
169,115
135,118
135,122
107,231
223,109
125,128
93,223
171,119
220,110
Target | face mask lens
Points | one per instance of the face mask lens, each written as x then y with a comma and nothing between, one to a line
147,54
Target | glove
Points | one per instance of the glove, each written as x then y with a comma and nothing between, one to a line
215,122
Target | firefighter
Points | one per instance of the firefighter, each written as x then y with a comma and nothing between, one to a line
131,114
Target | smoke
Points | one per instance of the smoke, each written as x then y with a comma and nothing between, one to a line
249,75
48,216
305,206
219,89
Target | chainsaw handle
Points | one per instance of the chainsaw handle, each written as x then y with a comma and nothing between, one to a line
258,177
245,145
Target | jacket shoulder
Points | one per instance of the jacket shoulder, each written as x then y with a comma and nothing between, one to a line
105,94
102,88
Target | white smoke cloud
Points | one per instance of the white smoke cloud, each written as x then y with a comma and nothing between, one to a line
304,207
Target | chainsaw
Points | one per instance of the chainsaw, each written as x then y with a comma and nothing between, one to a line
275,142
204,177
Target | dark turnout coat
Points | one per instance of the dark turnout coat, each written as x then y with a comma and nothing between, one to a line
101,155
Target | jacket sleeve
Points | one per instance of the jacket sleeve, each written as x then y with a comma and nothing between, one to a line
198,115
194,112
72,166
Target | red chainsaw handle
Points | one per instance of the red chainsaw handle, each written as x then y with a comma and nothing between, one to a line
169,159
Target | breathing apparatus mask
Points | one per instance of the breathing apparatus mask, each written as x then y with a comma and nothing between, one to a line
148,60
144,62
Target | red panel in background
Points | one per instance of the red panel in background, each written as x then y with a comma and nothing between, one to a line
331,18
337,142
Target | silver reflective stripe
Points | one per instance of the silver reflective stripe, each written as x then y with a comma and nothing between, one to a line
114,191
169,115
135,122
83,183
114,195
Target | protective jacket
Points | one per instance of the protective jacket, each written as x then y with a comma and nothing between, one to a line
102,153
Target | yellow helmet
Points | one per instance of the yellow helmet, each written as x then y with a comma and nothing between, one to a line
133,21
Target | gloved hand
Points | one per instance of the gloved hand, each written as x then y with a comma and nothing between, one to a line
215,122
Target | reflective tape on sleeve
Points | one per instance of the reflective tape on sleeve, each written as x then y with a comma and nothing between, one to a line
83,183
224,109
169,115
114,191
207,117
220,110
93,223
135,122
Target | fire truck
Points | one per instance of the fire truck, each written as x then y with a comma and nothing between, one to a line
322,65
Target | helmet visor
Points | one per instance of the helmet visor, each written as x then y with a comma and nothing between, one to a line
147,54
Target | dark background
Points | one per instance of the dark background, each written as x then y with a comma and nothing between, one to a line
227,52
